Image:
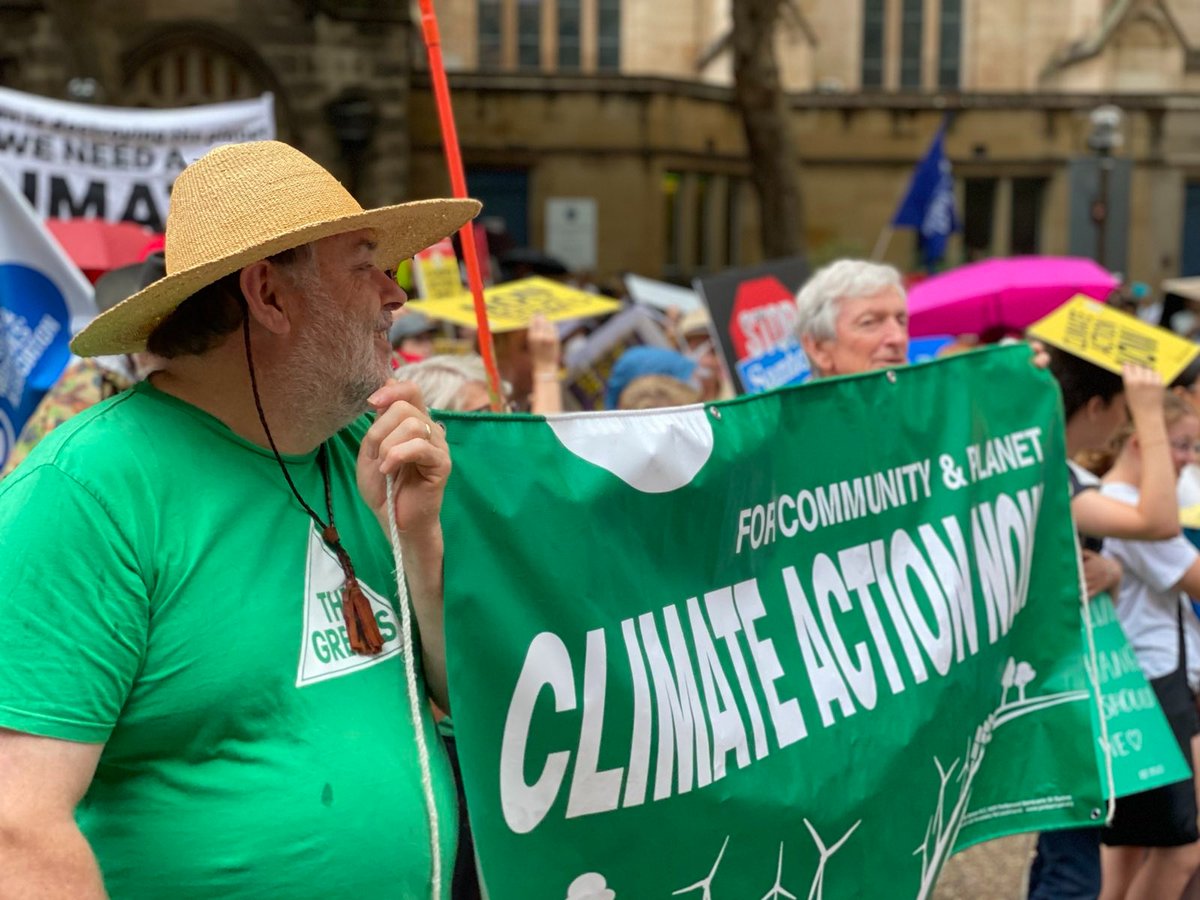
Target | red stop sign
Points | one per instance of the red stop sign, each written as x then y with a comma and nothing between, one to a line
763,317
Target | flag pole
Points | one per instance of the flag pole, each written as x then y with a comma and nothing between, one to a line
882,243
458,184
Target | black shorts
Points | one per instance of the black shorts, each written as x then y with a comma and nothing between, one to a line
1164,816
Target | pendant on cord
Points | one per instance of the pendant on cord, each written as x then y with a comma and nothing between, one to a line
361,627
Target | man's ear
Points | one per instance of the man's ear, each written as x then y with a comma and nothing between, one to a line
819,357
262,284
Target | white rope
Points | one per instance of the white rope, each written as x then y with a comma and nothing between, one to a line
415,700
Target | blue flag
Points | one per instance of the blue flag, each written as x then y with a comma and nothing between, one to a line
929,204
44,299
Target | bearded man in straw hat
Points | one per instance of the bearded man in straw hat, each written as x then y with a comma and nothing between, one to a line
206,687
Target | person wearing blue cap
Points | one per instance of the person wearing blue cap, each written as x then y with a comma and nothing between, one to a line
640,361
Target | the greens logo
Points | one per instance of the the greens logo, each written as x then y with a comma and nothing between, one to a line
325,647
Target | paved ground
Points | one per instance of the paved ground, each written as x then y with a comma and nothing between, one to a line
992,871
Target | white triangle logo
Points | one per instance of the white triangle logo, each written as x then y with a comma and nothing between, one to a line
325,648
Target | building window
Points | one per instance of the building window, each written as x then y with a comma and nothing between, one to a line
532,35
979,214
912,27
883,36
1189,264
702,219
608,40
1025,236
872,44
490,34
950,44
529,34
672,197
188,72
568,35
1015,201
704,202
733,221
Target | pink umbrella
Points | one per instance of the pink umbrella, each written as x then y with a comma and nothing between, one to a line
1002,293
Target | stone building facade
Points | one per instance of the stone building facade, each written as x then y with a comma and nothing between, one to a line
650,130
338,69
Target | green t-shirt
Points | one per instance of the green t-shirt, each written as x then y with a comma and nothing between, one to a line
164,594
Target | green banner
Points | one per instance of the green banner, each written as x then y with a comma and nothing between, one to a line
812,641
1143,748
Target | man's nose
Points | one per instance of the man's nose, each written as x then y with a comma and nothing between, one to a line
394,296
897,332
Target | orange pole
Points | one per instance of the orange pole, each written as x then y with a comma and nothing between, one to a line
458,184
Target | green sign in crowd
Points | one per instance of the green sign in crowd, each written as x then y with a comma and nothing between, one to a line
812,641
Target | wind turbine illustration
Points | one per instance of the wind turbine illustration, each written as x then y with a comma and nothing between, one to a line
778,890
818,885
704,885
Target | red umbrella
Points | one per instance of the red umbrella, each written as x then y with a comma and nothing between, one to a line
1002,293
97,246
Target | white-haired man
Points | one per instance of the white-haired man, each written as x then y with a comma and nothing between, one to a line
853,317
206,686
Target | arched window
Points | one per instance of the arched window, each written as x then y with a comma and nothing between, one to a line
188,65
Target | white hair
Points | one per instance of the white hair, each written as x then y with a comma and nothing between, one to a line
818,301
442,378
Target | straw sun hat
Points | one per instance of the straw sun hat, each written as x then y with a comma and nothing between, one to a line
241,203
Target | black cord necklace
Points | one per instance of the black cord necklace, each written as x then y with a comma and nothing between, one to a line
361,627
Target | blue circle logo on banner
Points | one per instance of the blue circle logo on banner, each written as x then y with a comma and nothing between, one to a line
36,331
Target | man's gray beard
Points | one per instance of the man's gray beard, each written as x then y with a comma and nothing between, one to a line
328,381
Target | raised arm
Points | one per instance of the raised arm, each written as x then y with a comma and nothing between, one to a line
545,351
1156,515
42,852
1102,516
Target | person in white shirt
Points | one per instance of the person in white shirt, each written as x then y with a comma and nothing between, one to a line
1152,847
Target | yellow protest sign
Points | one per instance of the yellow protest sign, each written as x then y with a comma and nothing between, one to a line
436,271
511,306
1110,338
